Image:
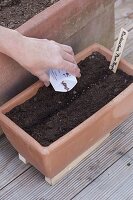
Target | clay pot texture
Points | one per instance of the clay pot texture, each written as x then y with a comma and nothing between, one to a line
53,159
78,23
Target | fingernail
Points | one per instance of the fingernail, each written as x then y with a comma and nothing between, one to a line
46,83
79,75
77,71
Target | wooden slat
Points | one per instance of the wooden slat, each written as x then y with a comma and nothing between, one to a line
112,183
123,15
31,184
125,192
128,52
10,165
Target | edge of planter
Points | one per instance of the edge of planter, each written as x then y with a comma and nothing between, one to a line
45,156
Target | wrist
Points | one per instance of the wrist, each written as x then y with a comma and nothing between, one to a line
14,45
10,41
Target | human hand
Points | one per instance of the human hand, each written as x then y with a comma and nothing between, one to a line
37,55
40,55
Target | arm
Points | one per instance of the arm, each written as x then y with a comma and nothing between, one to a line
37,55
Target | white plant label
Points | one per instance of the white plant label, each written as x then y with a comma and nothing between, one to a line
61,80
118,50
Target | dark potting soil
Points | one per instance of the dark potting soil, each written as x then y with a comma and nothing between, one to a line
49,115
13,13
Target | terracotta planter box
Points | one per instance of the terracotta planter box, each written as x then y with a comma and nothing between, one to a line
67,151
74,22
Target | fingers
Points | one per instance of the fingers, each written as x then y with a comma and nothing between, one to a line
70,65
67,62
69,57
44,78
71,68
67,49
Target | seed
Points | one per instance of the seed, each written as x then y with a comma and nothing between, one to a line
74,92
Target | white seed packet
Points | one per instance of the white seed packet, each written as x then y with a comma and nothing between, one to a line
61,80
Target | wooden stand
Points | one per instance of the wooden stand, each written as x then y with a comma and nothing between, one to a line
58,177
22,159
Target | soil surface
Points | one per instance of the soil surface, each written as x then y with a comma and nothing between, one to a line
49,115
13,13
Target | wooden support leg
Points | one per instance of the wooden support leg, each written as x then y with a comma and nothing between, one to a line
58,177
22,159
